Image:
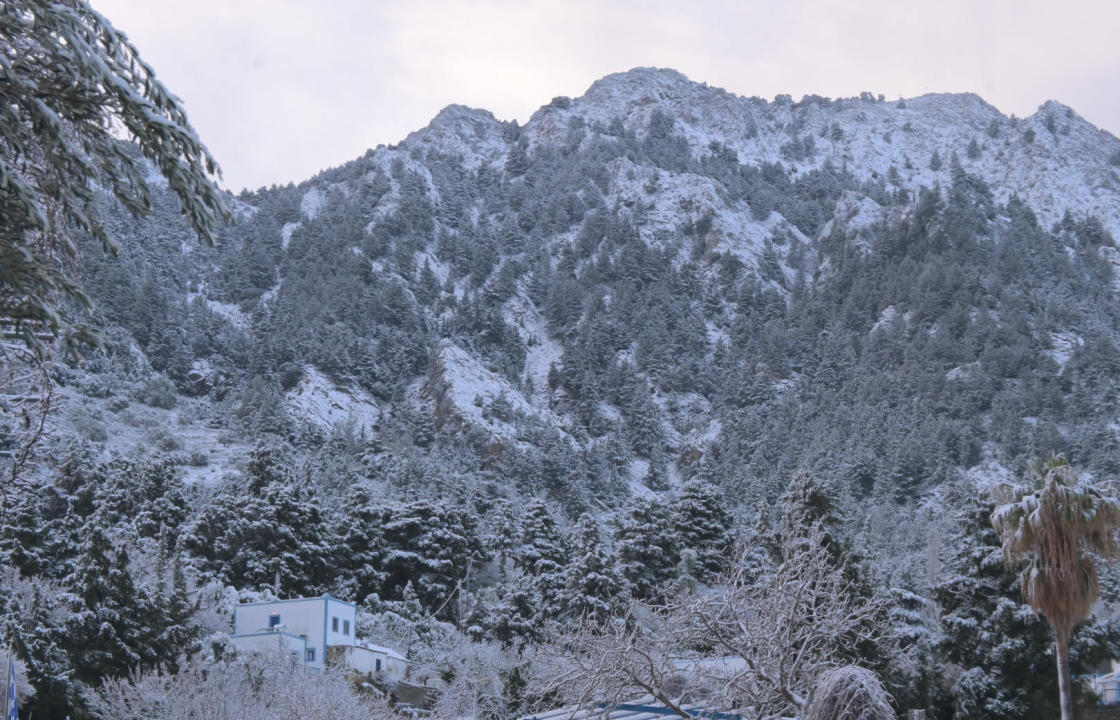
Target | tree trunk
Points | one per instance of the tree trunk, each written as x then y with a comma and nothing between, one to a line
1065,687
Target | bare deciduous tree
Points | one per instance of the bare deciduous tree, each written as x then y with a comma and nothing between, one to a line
755,645
259,687
26,399
849,693
800,619
608,664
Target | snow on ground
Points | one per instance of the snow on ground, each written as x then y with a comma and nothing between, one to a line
672,202
1064,345
638,469
241,210
610,412
286,232
962,372
886,321
326,405
541,349
472,135
637,489
311,203
121,426
716,334
1112,256
229,311
854,213
270,294
152,174
988,474
439,268
1054,159
466,389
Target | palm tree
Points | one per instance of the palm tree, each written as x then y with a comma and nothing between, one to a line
1056,525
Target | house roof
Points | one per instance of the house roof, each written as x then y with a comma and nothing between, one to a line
379,649
326,596
641,709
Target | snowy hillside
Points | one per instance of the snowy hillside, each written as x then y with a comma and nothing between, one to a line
498,381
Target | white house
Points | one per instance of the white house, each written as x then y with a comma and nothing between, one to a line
373,661
320,631
1106,686
319,623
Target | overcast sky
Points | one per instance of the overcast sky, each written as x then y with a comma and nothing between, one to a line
280,89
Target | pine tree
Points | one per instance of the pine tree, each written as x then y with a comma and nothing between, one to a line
703,525
643,419
541,556
807,503
113,625
541,550
359,548
1000,644
510,615
79,82
21,530
594,589
427,288
272,527
647,548
435,546
37,640
657,476
149,495
502,534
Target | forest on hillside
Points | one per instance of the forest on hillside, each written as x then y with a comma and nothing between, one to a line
595,408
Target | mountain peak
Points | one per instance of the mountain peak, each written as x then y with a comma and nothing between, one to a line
641,83
471,133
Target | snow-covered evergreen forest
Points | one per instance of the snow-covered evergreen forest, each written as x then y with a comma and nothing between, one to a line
535,396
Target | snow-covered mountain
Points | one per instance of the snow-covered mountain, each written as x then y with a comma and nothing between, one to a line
1054,160
653,280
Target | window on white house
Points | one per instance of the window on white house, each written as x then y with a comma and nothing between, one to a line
310,654
345,627
377,665
334,624
274,620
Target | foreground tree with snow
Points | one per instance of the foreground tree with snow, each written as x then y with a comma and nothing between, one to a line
1057,525
756,644
73,90
258,687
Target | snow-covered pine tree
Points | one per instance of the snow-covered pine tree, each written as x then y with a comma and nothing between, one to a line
359,548
805,503
502,533
36,636
541,556
703,524
643,419
113,624
80,84
594,589
509,614
147,494
272,526
648,553
434,545
21,530
1000,645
